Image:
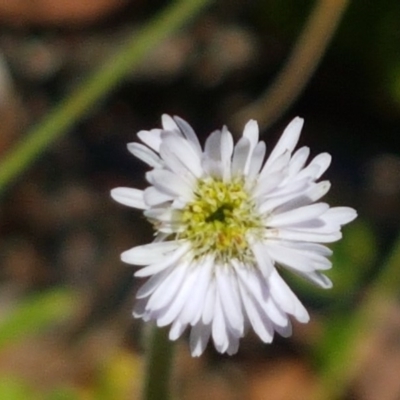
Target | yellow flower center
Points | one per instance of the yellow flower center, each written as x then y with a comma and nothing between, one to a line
221,220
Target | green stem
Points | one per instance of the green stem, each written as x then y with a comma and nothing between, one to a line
158,373
299,68
96,87
345,358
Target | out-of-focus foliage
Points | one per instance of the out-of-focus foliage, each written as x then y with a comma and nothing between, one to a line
366,45
35,313
15,389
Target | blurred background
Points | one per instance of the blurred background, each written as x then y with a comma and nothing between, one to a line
66,330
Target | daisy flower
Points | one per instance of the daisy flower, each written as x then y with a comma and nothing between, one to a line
226,219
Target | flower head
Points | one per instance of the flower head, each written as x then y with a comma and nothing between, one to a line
225,221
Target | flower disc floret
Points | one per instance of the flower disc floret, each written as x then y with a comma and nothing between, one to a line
221,220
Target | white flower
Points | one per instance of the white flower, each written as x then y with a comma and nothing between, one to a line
225,220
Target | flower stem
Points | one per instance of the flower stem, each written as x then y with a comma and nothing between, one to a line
158,371
81,101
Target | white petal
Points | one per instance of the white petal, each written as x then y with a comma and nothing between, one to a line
257,287
306,194
305,197
151,285
263,301
251,132
160,237
263,260
257,159
309,248
317,278
280,164
298,160
209,304
328,223
179,203
286,299
218,329
309,173
169,260
240,156
233,346
161,214
189,133
154,197
213,168
274,313
176,330
284,331
267,184
170,183
319,190
149,253
139,309
193,309
274,202
298,215
199,337
285,193
323,161
145,154
177,152
182,296
262,327
288,140
212,147
211,161
229,299
168,123
169,288
129,197
173,163
340,215
290,234
226,153
296,259
151,138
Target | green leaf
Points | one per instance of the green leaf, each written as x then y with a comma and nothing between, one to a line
35,313
63,394
15,389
